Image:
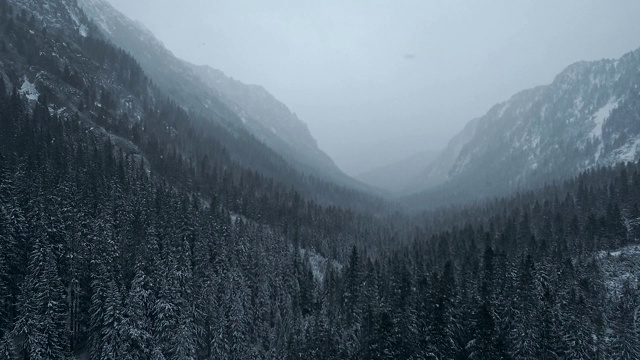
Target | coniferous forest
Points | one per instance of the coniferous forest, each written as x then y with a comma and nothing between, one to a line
124,239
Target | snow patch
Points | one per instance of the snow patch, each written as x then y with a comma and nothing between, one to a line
629,151
503,109
73,15
235,217
620,267
54,111
83,31
318,264
29,90
599,151
600,116
535,141
543,112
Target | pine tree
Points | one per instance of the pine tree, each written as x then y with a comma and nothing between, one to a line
106,320
7,347
549,337
14,248
236,316
174,327
524,335
138,342
487,343
625,339
42,317
579,337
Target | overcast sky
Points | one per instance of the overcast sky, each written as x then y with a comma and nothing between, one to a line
377,80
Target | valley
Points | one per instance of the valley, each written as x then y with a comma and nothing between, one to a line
155,209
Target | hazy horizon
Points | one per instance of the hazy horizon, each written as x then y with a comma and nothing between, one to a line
378,81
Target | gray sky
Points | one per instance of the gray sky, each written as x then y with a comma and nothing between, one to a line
377,80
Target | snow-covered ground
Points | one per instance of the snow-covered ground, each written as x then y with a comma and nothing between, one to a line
620,266
600,116
319,264
29,90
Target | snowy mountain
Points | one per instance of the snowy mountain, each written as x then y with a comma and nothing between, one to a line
53,57
589,116
210,92
53,53
58,15
269,119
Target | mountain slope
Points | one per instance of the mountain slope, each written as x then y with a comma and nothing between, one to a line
271,121
62,55
589,116
437,170
211,93
116,240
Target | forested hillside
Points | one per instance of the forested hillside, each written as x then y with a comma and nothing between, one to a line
207,91
587,117
54,50
126,237
102,257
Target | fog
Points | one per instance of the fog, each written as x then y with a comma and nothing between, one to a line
377,81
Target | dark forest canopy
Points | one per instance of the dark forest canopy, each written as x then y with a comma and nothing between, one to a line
124,239
135,265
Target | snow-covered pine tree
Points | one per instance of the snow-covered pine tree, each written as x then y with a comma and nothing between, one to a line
106,320
7,347
625,340
41,322
138,342
523,335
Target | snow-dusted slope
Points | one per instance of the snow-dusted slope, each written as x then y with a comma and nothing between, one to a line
59,14
589,116
55,65
620,267
266,117
212,93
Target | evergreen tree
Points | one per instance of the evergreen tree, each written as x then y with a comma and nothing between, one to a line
41,322
625,339
138,341
487,343
7,347
106,318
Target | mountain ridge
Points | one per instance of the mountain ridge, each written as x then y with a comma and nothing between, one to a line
199,88
583,119
64,58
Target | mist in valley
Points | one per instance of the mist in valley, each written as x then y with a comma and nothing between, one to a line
378,82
